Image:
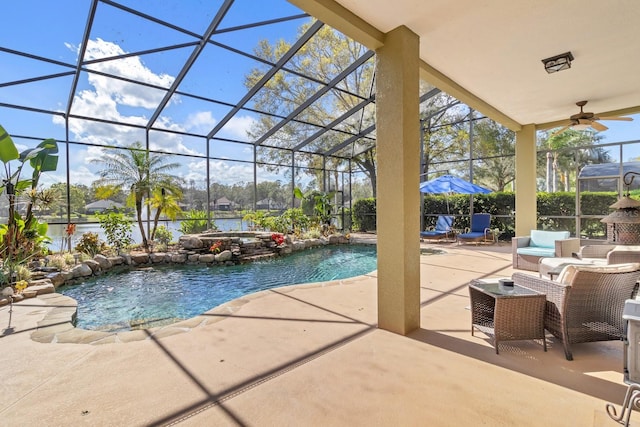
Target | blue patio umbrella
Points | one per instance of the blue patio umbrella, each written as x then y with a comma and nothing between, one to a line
446,184
449,184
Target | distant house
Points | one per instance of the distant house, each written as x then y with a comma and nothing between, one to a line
269,204
222,204
102,205
603,176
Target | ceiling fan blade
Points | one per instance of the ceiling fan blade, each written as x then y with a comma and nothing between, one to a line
598,126
623,119
559,131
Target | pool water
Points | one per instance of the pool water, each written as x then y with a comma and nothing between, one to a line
165,294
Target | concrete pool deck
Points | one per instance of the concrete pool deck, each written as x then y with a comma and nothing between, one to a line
311,355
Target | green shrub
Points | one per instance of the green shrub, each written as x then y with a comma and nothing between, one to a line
117,227
364,214
195,222
90,244
259,219
163,235
296,220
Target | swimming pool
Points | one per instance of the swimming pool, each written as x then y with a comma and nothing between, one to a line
165,294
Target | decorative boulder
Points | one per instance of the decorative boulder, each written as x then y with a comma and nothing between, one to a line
179,258
140,258
81,270
116,260
207,258
57,279
298,245
224,256
103,261
157,257
191,242
94,265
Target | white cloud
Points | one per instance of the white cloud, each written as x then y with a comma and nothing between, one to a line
108,98
237,127
230,173
202,121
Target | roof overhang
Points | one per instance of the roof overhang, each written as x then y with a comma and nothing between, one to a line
489,54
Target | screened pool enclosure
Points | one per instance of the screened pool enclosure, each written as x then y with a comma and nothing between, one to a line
248,100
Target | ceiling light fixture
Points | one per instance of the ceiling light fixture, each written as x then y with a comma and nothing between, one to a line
558,62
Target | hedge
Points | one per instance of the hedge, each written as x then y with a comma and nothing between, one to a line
552,207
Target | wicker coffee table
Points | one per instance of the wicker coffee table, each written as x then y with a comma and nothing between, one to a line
507,314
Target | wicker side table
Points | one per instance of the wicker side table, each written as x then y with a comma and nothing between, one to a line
511,314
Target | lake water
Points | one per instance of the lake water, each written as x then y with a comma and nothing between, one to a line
57,233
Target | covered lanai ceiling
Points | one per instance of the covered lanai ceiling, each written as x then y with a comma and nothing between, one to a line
488,53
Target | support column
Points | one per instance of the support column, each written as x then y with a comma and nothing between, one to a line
526,217
398,196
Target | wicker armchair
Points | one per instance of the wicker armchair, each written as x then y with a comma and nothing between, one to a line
587,306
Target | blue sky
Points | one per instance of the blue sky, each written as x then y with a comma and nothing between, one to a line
54,30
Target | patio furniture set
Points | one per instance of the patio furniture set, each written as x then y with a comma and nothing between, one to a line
578,297
479,232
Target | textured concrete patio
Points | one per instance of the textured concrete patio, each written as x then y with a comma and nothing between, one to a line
311,355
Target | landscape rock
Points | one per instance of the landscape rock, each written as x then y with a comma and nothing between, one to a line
116,260
157,257
140,258
68,275
56,278
224,256
298,245
81,270
47,288
103,261
207,258
179,258
94,265
191,242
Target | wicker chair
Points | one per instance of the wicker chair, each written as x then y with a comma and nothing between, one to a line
586,303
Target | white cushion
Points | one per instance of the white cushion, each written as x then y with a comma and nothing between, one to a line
546,239
567,273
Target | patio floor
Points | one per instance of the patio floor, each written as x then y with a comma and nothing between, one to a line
311,355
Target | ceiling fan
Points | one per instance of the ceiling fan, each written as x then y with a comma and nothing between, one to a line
584,120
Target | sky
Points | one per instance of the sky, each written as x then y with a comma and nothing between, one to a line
54,30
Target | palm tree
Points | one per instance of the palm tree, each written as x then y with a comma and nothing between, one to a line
141,171
562,159
164,201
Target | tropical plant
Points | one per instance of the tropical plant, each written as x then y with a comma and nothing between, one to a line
23,236
140,171
163,235
195,221
316,204
117,228
164,202
90,244
259,219
296,219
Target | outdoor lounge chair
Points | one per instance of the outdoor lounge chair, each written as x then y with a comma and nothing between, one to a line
527,251
585,304
479,230
441,231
